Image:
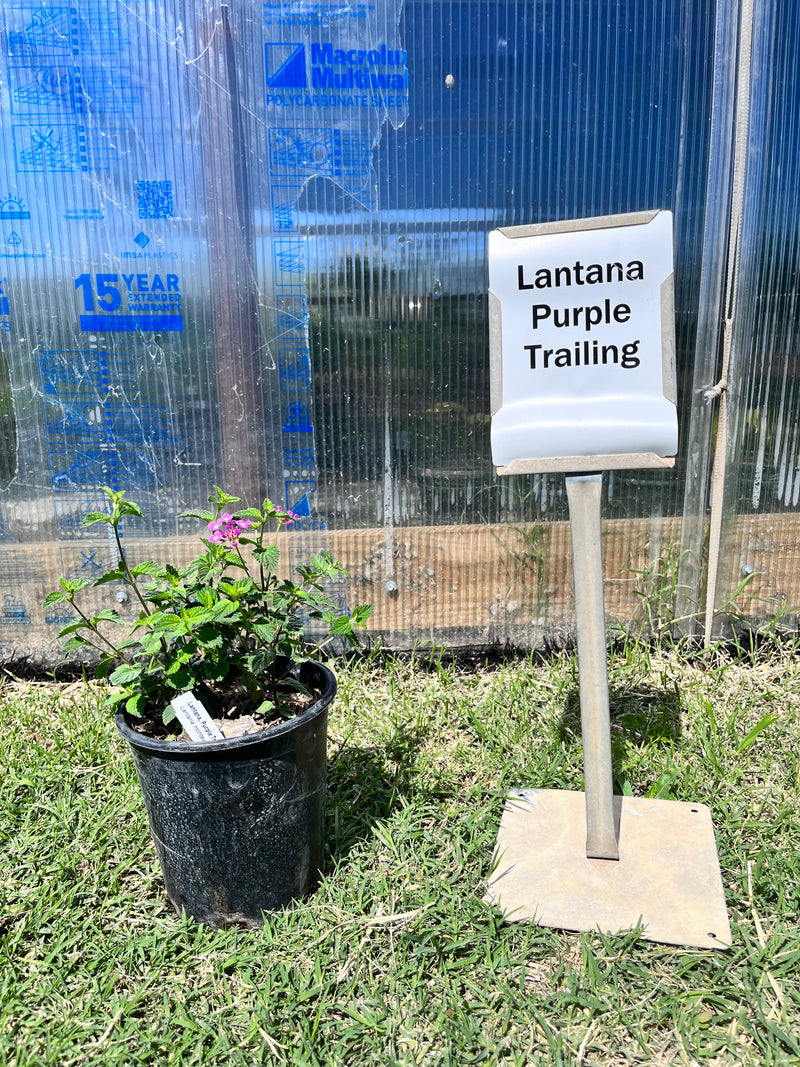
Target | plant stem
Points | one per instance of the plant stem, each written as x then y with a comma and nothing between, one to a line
129,578
93,629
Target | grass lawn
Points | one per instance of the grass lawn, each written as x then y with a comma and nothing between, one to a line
396,959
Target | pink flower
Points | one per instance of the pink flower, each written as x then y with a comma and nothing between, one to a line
226,529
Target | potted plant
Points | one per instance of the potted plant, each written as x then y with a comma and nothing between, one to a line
222,703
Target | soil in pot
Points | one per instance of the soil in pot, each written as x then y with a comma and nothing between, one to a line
233,709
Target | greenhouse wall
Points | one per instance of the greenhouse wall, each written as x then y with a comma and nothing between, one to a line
246,244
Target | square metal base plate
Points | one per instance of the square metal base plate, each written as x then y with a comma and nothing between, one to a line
667,877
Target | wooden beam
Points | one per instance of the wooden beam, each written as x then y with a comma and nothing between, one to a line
456,585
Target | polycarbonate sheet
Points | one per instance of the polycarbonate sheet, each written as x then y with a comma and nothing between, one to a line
762,451
519,112
105,258
106,333
246,244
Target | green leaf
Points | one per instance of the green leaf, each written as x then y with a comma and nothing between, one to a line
231,559
178,664
247,513
198,614
205,516
663,787
219,496
268,557
199,569
294,685
103,667
214,670
108,615
115,575
326,566
125,674
353,639
183,679
168,715
342,625
265,707
74,642
127,507
150,643
148,567
236,590
225,611
73,585
135,705
113,699
160,621
95,516
260,662
210,636
54,598
361,613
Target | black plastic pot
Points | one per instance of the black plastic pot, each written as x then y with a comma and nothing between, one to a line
239,824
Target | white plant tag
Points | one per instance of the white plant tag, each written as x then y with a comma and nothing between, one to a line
194,718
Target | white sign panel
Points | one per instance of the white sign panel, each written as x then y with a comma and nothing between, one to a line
582,344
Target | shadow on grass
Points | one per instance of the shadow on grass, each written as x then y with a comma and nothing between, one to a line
365,785
645,715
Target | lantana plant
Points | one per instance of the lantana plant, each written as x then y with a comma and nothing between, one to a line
222,623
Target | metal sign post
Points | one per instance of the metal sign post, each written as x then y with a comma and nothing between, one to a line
583,493
582,383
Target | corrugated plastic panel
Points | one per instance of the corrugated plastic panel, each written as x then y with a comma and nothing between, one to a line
246,244
518,112
762,469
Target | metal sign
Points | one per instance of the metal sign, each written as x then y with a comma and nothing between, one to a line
583,380
582,344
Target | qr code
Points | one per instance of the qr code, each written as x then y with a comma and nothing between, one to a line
155,200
